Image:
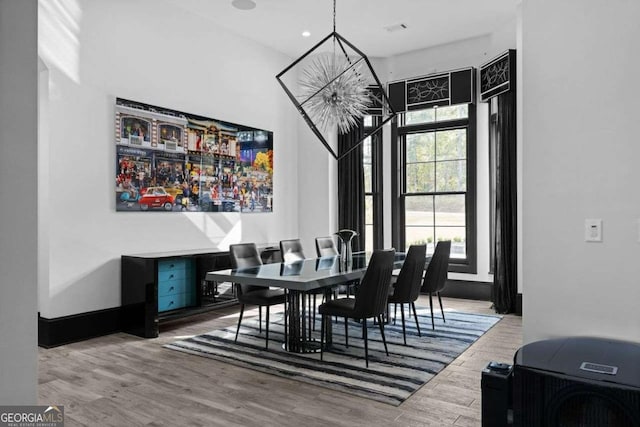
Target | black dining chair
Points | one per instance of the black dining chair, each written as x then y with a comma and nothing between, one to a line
326,246
436,276
291,251
407,287
245,255
370,300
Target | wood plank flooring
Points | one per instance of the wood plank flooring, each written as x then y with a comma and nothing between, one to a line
123,380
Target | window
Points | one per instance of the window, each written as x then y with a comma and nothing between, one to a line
434,196
493,136
371,158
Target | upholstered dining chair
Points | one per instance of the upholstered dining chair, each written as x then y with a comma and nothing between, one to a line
326,246
370,301
436,276
291,250
407,287
245,255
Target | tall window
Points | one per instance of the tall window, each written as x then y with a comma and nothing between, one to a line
493,136
371,152
435,197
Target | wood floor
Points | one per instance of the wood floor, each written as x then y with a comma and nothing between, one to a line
123,380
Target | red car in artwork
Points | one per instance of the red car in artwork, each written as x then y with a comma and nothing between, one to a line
156,197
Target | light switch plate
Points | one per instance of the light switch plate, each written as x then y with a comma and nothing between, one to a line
638,230
593,230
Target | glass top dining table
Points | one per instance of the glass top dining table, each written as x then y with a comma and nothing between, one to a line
297,278
303,275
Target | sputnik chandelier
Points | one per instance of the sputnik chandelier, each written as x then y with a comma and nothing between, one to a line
335,100
336,88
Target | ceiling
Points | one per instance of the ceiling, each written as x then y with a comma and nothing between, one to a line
279,24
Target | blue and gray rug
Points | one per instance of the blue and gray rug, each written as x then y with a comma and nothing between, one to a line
390,379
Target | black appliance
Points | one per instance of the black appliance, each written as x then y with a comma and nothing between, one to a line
577,381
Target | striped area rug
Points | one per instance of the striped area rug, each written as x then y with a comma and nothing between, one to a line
390,379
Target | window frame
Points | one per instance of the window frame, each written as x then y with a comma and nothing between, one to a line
376,183
398,158
493,136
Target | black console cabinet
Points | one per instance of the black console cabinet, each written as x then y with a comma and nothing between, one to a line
168,285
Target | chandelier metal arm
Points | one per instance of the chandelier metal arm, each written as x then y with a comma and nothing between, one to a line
382,123
392,112
307,53
306,118
344,51
363,56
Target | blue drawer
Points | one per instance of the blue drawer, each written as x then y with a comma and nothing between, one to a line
172,265
174,302
166,275
171,302
172,287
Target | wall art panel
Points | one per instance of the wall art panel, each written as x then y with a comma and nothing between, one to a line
170,161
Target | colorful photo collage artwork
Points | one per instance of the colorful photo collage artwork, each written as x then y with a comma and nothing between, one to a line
170,161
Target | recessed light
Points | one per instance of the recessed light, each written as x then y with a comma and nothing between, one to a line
306,34
244,4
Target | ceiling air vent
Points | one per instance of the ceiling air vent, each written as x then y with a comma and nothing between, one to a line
395,27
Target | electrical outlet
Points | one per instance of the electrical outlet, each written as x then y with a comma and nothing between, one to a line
593,230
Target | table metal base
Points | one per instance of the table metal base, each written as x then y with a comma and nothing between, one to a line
299,333
305,346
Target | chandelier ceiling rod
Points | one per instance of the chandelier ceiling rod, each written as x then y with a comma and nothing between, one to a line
334,16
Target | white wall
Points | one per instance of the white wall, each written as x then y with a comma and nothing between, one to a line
18,210
461,54
464,53
581,151
156,53
519,143
317,188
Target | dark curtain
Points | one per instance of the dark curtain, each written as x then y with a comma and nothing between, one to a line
351,185
505,274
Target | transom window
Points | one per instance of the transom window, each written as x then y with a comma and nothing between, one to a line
439,114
